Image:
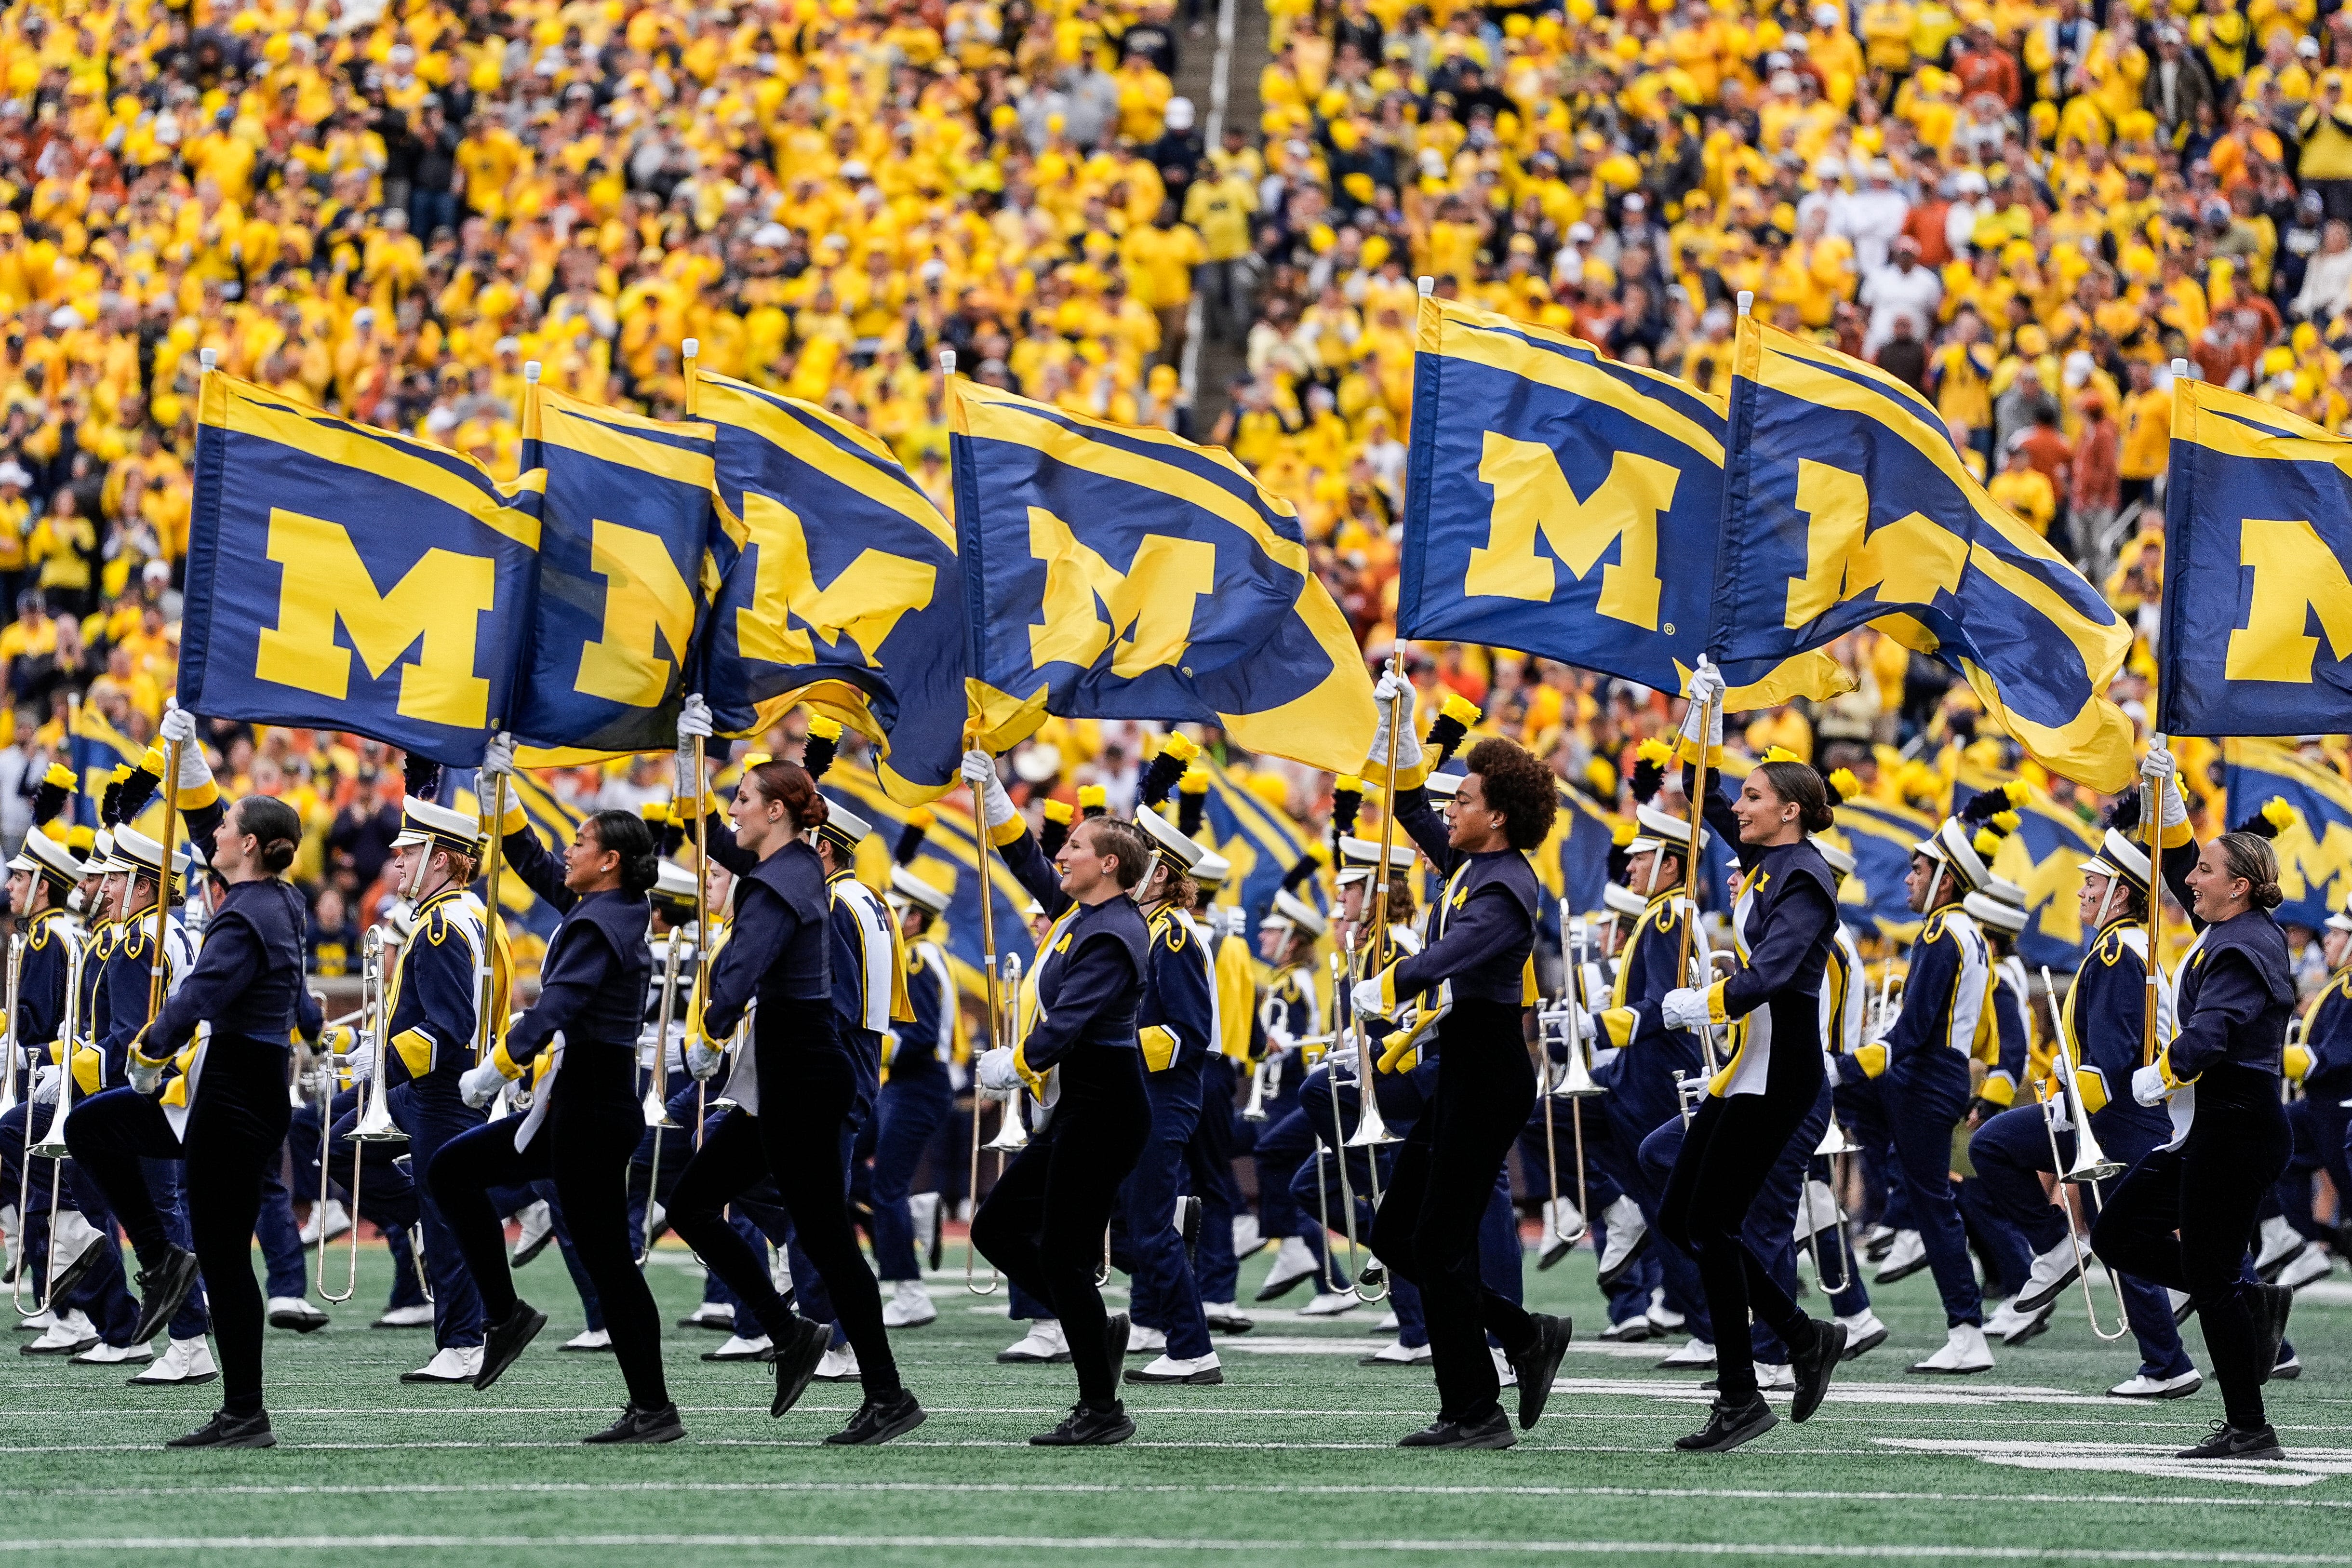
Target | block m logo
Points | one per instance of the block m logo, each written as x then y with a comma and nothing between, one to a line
1909,562
863,604
1147,609
1532,496
2295,576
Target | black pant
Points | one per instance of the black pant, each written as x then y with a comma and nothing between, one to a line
1427,1229
235,1125
1044,1222
2209,1189
801,1137
593,1121
1731,1147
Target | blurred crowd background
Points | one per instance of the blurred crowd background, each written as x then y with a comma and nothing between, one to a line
385,207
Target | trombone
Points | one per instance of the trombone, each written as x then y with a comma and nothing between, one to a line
52,1146
374,1125
1012,1137
2090,1165
656,1105
1574,1083
1265,1077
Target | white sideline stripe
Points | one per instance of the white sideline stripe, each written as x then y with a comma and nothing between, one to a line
537,1489
2156,1461
1138,1543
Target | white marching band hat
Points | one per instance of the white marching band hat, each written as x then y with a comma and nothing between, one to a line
1996,910
1623,899
908,888
1292,912
2118,856
672,880
1834,848
136,854
1359,856
1211,870
49,857
1661,829
424,822
1181,852
846,826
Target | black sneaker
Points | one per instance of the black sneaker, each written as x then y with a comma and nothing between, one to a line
878,1421
162,1292
1728,1425
1813,1366
226,1431
796,1356
2227,1442
2271,1305
502,1342
1492,1430
1115,1334
638,1425
1088,1427
1539,1363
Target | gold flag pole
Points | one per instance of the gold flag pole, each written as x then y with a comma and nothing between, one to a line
2151,814
1690,870
163,879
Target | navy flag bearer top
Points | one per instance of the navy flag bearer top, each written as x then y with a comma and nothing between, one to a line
591,984
247,979
1482,930
1090,969
1784,923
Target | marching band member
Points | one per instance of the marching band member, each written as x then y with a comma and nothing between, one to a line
1845,1003
1217,1139
435,998
795,1094
920,1057
1784,920
2181,1215
231,1109
1042,1222
585,1116
2102,1019
1923,1062
1294,1011
2003,1053
1177,1032
2321,1064
1476,974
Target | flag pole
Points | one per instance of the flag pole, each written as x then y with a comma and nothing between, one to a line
485,1025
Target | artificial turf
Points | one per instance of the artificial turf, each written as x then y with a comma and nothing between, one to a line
1290,1461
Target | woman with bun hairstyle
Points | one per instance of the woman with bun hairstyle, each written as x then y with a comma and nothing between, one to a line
794,1093
579,1043
224,1112
1784,926
2183,1214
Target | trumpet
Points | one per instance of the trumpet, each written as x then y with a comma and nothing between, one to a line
52,1145
374,1125
1012,1137
2090,1165
1886,1006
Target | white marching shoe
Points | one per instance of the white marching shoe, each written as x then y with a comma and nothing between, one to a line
1390,1323
589,1339
1398,1354
1629,1233
923,1222
1905,1258
1697,1356
1247,1236
1174,1369
2142,1386
16,1237
535,1227
104,1354
69,1335
1773,1377
182,1362
2308,1266
419,1315
2182,1304
1227,1318
2014,1326
1043,1343
736,1348
1864,1331
1330,1304
1664,1319
839,1365
1142,1340
76,1250
1294,1262
716,1316
1505,1372
2280,1243
338,1220
909,1306
450,1363
2051,1272
1965,1351
296,1313
36,1322
1632,1332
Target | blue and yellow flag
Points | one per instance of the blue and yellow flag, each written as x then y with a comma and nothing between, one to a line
2257,630
949,858
1258,840
838,587
2044,857
1573,863
1114,572
95,748
1873,900
1567,506
350,578
2315,855
1846,505
625,520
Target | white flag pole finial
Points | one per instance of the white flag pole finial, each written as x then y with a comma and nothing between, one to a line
1747,299
531,369
947,361
2183,371
208,358
691,348
1428,284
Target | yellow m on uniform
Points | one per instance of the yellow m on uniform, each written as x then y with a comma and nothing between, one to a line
436,607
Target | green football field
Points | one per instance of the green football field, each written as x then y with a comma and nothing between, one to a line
1291,1462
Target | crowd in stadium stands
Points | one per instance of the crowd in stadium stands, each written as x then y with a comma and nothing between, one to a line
385,207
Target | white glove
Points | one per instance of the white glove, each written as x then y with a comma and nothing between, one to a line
360,1062
480,1084
45,1084
1394,688
702,1063
144,1079
196,772
995,1071
980,772
1707,689
498,758
179,725
2158,764
694,719
1684,1009
1366,995
2147,1086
